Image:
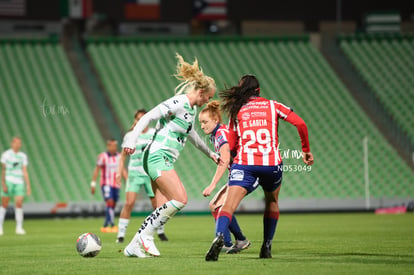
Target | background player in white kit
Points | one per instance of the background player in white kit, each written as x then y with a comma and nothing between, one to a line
14,175
137,178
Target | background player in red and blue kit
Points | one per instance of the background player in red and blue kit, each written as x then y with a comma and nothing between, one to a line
108,164
210,121
254,130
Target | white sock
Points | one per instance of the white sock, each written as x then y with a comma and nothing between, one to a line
159,217
122,227
111,216
2,215
18,213
160,229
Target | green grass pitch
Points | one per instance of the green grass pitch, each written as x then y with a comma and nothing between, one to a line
304,244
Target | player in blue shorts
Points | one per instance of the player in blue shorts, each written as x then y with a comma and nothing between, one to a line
108,164
253,130
210,121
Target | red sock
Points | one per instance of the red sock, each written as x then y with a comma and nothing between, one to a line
215,213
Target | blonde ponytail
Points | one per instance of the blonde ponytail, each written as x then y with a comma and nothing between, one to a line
191,76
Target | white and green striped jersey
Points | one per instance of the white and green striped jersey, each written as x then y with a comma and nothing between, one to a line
174,127
14,163
136,160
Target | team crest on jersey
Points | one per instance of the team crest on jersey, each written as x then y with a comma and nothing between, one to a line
237,175
220,139
167,162
246,116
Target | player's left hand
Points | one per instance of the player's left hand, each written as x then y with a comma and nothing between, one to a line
129,151
216,158
118,178
209,189
28,191
308,158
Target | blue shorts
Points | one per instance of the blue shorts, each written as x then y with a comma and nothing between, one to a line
109,192
251,176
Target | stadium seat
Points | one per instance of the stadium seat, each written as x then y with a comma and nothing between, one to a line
42,102
386,64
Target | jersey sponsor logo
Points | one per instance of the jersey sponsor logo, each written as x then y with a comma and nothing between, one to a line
15,164
245,116
259,114
169,112
237,175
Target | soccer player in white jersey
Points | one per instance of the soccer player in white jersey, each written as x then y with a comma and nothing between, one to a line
14,175
137,178
108,164
175,117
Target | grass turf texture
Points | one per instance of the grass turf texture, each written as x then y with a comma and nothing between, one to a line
304,244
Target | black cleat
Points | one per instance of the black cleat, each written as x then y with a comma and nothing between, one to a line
163,237
120,240
266,250
216,246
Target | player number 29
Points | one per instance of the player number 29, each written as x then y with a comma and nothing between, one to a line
261,136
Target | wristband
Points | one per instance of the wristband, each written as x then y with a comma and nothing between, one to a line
93,183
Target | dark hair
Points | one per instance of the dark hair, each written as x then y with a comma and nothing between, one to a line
111,140
234,97
139,111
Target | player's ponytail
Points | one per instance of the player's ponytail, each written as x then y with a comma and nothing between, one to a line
191,76
235,97
213,110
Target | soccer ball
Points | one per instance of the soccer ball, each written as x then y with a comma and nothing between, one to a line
88,245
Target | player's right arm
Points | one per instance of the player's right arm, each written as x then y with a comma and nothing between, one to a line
300,125
121,168
221,169
158,112
3,177
94,177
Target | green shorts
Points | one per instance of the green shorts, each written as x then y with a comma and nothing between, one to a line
156,162
14,190
135,182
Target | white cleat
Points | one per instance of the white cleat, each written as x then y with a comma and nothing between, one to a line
147,243
1,231
134,250
20,231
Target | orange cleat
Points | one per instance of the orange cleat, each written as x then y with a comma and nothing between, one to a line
106,229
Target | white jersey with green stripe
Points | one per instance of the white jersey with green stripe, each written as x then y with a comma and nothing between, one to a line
136,160
174,127
14,163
